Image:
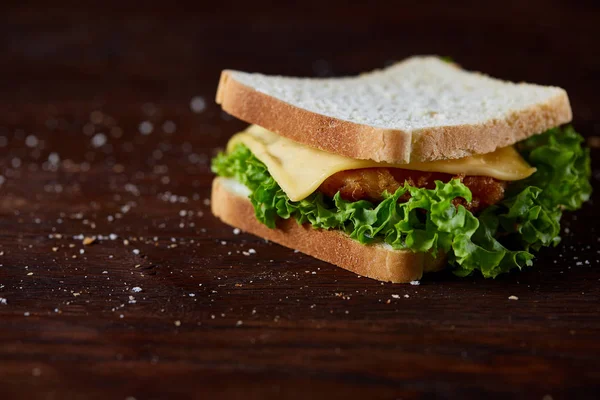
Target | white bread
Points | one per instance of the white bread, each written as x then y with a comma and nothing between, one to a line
421,109
229,202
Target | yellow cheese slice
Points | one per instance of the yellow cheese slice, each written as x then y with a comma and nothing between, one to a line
300,169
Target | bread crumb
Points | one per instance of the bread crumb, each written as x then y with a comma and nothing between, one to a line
513,298
395,296
415,283
594,142
88,240
239,323
236,231
177,323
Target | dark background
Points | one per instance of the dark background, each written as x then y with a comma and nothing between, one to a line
79,83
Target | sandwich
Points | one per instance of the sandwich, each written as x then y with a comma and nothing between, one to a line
404,170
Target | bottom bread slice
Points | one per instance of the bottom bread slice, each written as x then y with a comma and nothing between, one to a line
230,203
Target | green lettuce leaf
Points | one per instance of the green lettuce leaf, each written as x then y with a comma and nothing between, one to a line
563,168
497,240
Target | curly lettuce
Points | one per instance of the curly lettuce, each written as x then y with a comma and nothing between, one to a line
499,239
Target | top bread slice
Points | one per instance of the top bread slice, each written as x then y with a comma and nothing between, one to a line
421,109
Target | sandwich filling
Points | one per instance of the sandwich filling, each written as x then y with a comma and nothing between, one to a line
300,169
486,212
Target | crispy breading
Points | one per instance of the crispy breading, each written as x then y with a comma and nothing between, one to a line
370,183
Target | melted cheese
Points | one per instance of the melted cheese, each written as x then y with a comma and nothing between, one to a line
300,169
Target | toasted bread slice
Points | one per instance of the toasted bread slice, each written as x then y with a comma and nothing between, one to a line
230,203
421,109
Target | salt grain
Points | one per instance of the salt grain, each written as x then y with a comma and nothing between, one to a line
99,140
513,298
169,127
31,141
198,104
88,129
116,132
53,158
149,109
96,117
146,127
136,289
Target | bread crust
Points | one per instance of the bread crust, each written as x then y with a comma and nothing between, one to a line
335,247
384,145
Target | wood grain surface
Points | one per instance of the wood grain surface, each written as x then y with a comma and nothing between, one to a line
107,126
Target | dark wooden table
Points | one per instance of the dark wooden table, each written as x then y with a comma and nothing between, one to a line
107,126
